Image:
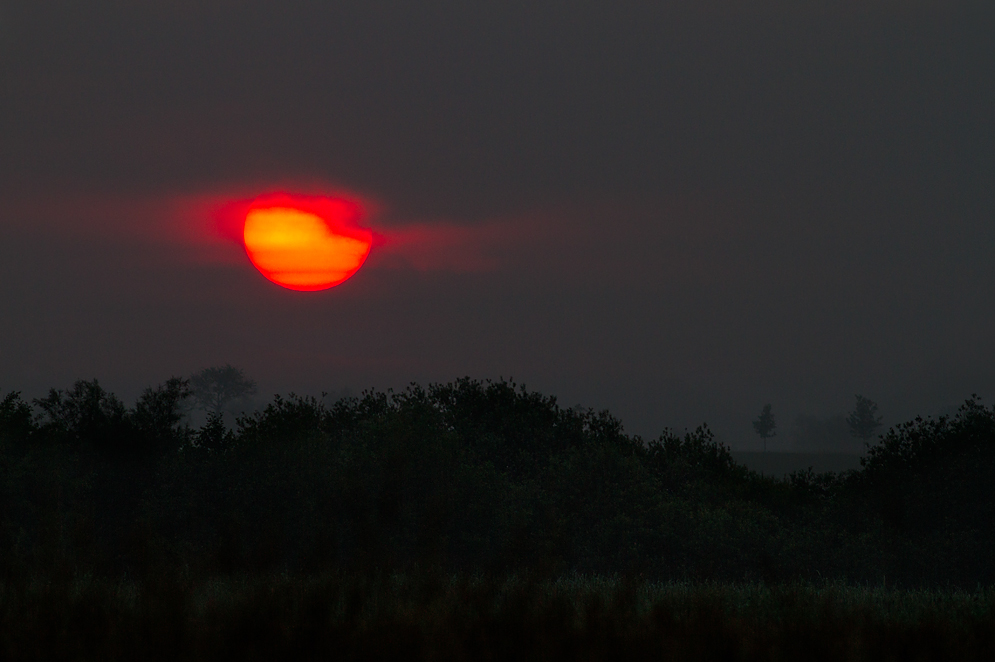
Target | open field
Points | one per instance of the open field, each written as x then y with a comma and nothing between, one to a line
472,618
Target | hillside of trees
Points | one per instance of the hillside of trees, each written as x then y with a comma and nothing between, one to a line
471,477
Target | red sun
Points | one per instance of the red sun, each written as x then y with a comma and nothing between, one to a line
305,243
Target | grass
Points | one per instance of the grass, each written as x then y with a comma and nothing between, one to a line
463,618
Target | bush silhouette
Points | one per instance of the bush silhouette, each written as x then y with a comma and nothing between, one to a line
472,476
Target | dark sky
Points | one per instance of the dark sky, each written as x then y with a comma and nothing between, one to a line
678,211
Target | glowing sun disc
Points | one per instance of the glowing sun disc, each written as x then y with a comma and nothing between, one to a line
303,249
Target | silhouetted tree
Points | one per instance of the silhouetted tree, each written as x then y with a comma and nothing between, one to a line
214,389
863,421
15,418
765,425
213,436
158,412
85,414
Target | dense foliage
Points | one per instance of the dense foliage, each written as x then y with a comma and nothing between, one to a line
471,477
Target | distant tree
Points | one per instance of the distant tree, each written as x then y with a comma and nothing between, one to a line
765,425
214,389
863,420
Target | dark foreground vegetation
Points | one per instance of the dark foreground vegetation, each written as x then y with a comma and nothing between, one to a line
400,522
388,617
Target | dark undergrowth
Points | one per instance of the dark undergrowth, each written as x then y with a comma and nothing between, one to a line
351,617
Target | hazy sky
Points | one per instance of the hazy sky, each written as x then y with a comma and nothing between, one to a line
678,211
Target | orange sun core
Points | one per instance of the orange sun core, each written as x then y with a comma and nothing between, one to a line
306,247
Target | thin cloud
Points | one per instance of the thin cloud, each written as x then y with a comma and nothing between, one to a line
444,246
575,242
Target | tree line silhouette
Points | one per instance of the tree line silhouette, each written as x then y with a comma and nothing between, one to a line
471,476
